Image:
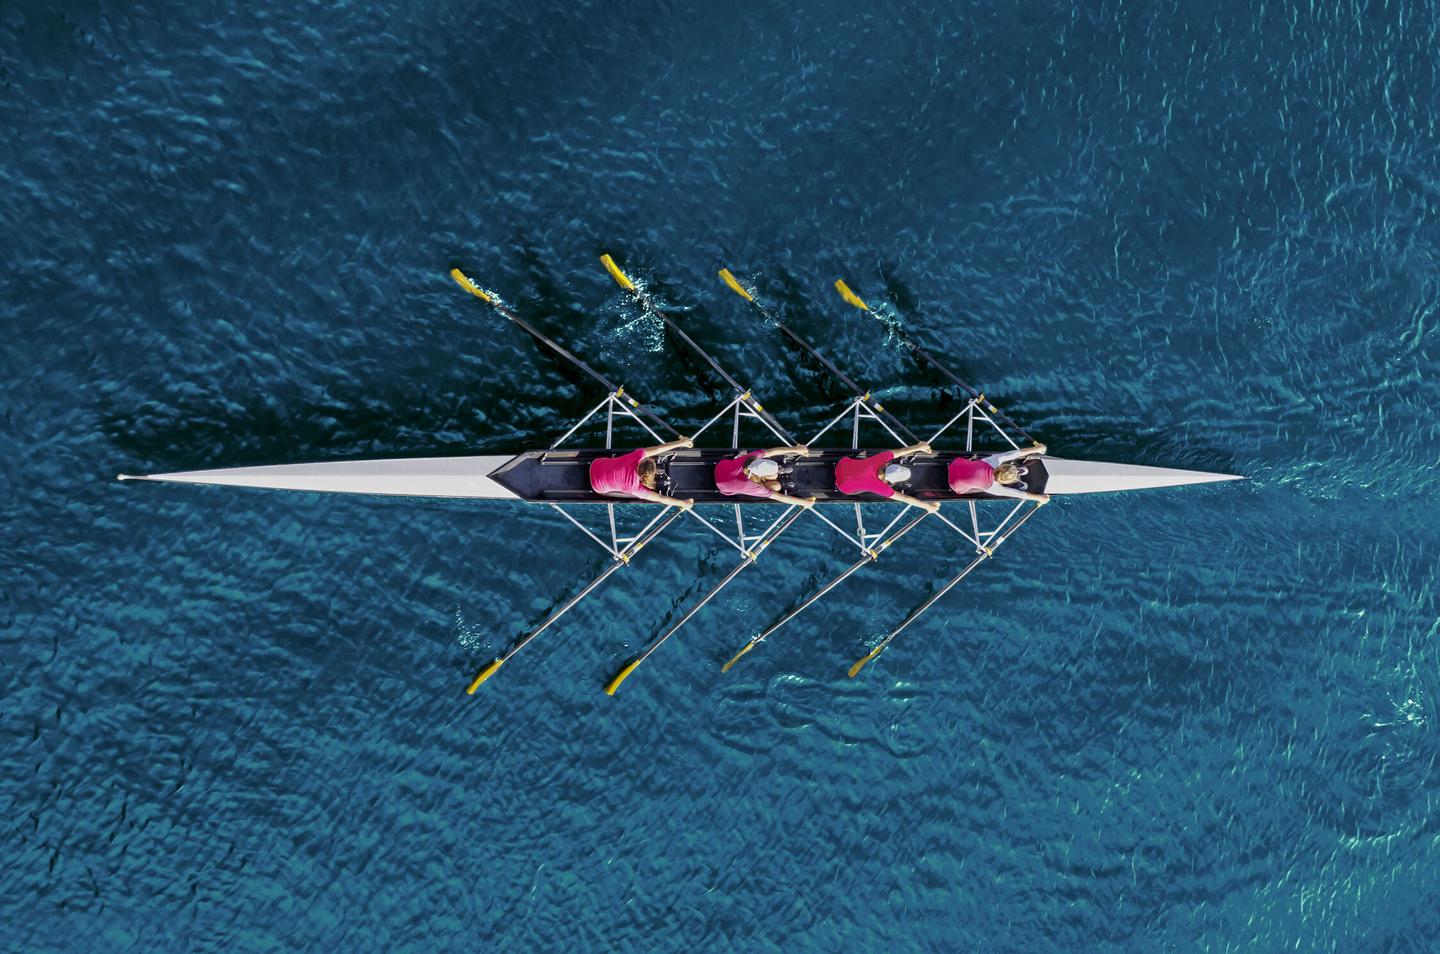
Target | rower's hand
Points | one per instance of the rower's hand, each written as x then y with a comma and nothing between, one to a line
802,451
808,503
1042,500
925,448
687,442
931,506
1040,448
687,504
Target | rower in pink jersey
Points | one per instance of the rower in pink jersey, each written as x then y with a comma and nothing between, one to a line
633,474
757,474
877,474
998,474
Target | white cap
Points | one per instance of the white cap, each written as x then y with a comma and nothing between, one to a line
763,467
896,473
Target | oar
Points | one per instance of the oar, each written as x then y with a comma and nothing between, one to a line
870,557
751,556
648,303
925,357
493,300
623,560
860,393
986,553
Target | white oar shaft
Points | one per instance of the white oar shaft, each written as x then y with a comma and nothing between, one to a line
954,581
749,560
839,579
812,598
626,555
653,529
714,591
780,527
569,605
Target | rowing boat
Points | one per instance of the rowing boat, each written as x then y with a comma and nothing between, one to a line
561,476
558,476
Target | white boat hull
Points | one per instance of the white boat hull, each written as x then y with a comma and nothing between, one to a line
468,477
1097,477
459,477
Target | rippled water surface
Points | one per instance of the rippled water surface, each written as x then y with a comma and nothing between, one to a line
1177,234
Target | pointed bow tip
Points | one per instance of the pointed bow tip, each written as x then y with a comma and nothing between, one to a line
1068,476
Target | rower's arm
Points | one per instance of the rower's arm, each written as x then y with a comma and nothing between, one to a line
995,460
659,449
929,505
921,448
806,502
799,450
653,497
1000,490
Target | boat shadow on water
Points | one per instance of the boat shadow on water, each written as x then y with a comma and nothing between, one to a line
363,422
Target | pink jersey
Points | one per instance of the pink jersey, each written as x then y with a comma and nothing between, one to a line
618,475
731,480
856,476
966,475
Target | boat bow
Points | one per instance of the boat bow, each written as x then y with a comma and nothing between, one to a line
1094,477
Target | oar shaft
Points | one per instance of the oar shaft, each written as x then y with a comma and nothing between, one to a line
750,558
830,366
846,575
812,598
569,605
649,305
955,580
623,561
907,339
714,591
504,311
926,357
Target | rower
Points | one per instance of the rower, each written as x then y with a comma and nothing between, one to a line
757,474
878,475
1000,475
633,474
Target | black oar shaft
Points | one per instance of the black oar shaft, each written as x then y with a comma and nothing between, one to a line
504,311
925,357
860,393
648,303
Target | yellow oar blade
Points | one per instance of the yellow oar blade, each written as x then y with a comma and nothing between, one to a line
624,674
855,669
735,286
620,277
850,297
736,658
485,673
464,282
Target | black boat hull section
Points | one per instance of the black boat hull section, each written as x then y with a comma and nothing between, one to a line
563,477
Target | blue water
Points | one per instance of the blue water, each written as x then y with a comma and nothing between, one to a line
1179,234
